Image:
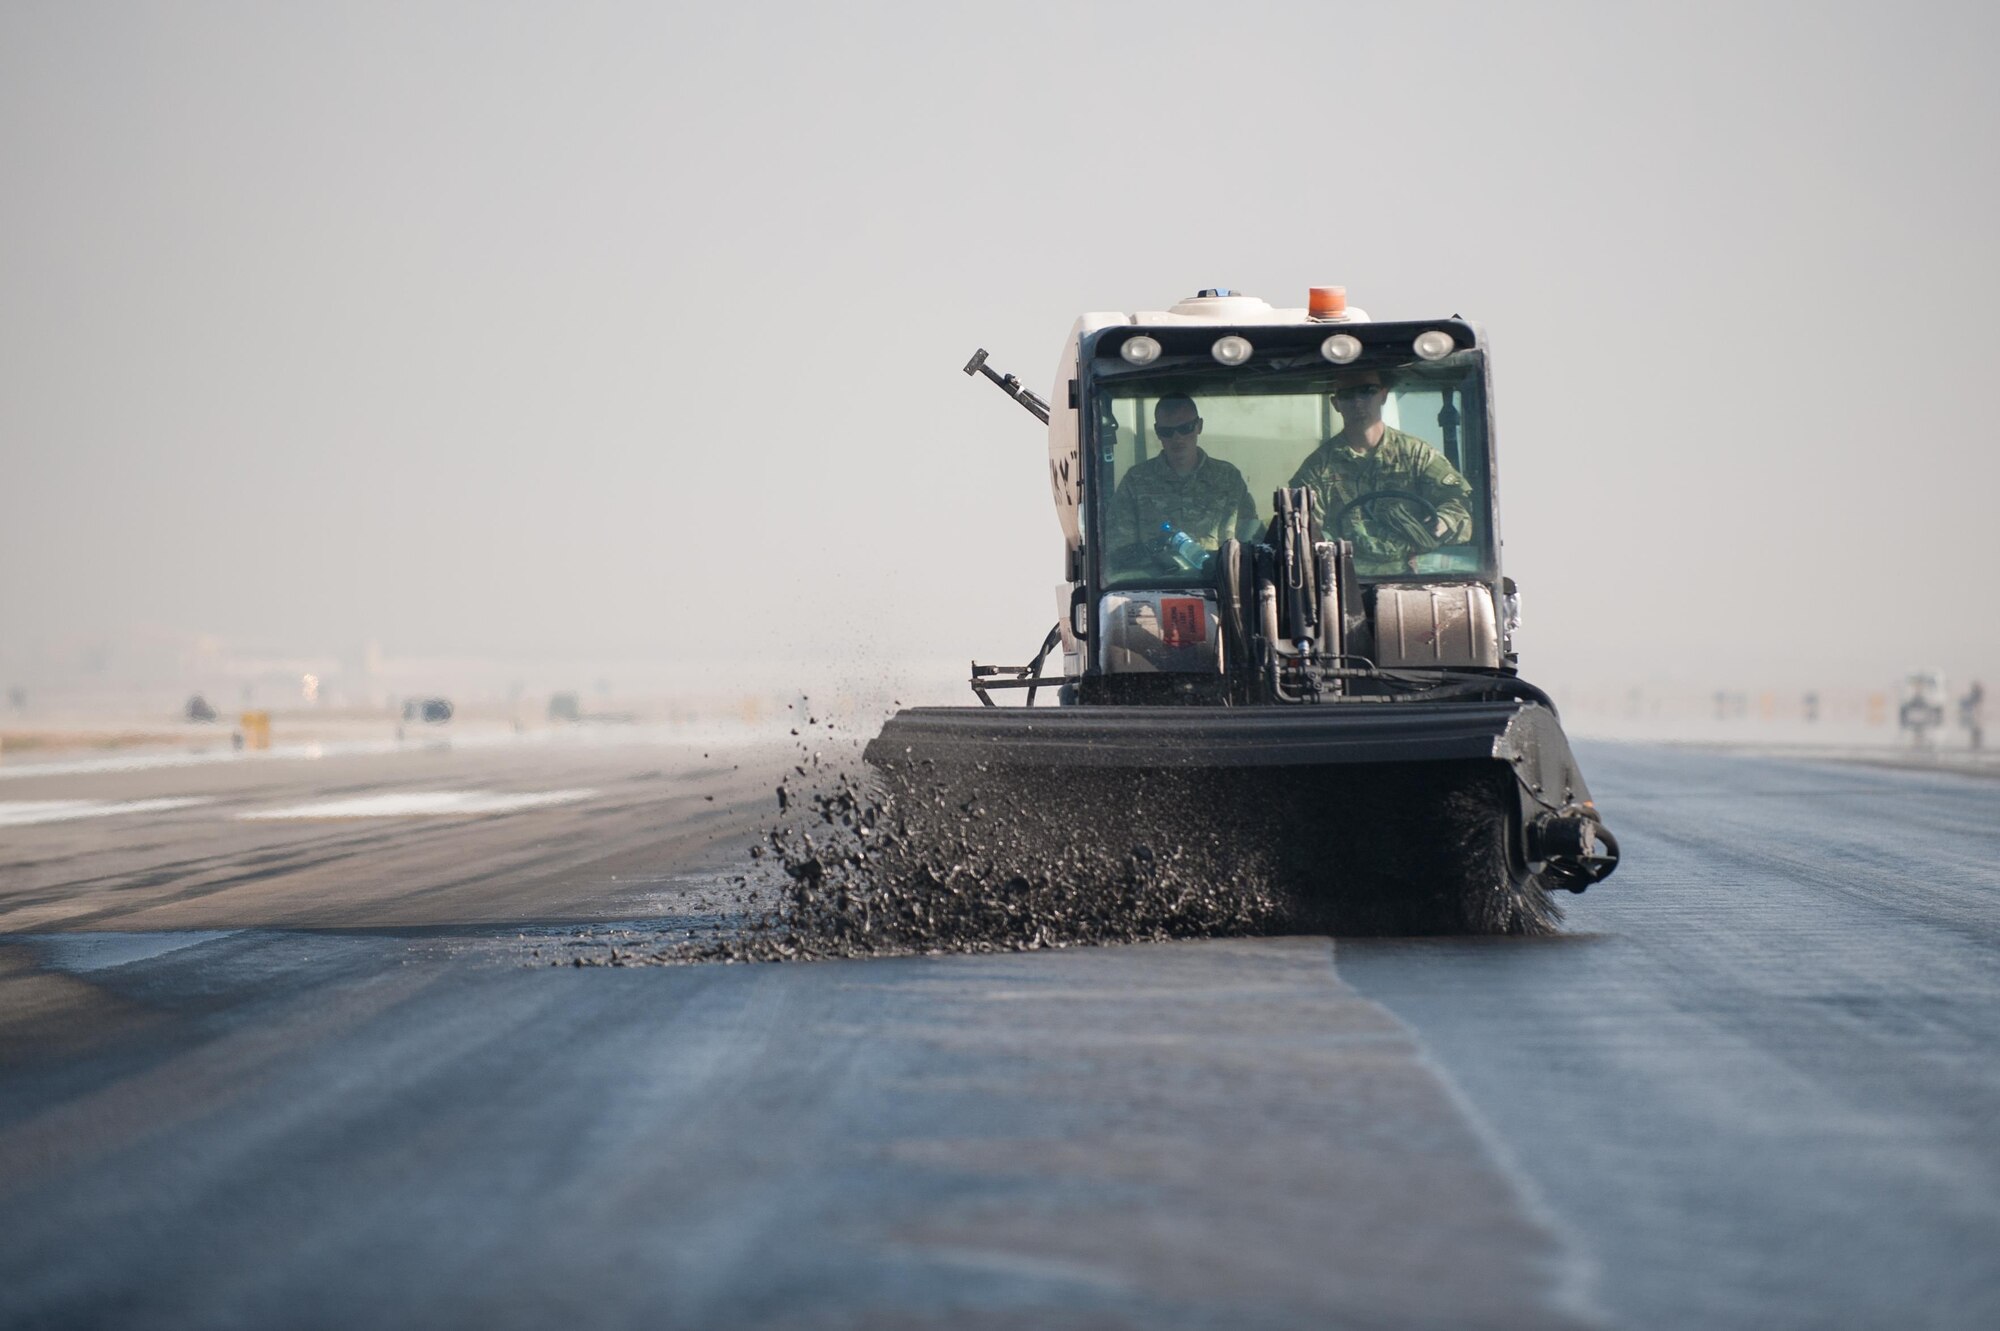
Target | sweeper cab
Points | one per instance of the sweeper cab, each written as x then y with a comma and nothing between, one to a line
1282,589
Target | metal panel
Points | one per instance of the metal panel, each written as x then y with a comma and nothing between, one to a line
1435,626
1151,631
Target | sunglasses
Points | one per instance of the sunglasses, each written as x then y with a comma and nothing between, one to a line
1176,431
1357,390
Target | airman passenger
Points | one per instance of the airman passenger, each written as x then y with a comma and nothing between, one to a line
1181,488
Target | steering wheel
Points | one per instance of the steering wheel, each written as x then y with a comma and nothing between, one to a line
1432,518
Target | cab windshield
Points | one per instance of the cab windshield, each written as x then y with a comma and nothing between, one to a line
1396,457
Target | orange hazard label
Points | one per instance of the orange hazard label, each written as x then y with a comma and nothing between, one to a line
1183,621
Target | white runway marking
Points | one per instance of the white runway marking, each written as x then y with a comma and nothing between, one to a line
19,813
587,737
426,804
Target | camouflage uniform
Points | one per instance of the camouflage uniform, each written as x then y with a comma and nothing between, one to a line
1210,503
1387,534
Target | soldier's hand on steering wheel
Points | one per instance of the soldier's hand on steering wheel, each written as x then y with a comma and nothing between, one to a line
1425,530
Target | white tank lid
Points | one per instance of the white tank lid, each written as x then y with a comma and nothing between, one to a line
1221,305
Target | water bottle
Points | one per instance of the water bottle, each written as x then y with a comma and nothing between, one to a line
1185,549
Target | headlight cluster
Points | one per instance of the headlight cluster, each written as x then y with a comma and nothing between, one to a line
1342,348
1141,350
1434,344
1231,350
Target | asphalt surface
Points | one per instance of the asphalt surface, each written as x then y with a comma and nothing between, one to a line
316,1070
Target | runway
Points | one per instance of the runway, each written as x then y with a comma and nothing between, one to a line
433,832
271,1064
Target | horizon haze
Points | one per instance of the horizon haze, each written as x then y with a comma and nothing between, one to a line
613,333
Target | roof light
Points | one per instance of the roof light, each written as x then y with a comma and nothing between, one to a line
1328,304
1341,348
1141,350
1231,350
1434,344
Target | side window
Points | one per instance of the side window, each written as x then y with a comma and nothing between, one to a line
1418,414
1133,442
1445,419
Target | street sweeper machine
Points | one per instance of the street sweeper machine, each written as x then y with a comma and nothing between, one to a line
1285,637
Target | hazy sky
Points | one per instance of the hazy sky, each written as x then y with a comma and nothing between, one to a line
564,331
